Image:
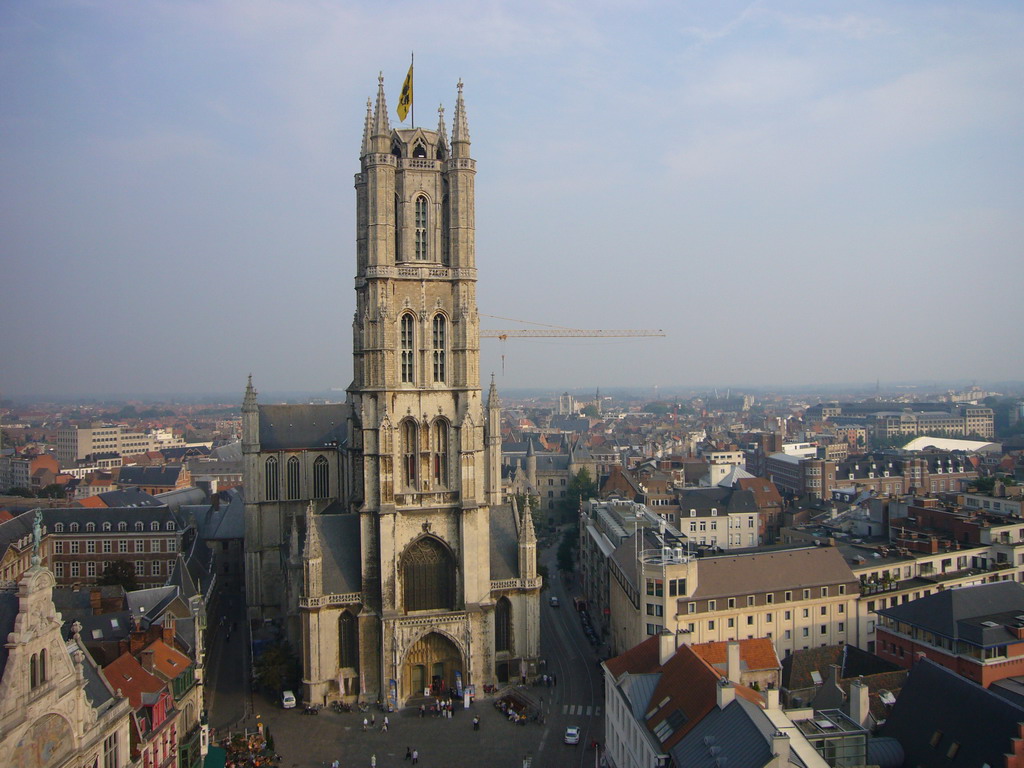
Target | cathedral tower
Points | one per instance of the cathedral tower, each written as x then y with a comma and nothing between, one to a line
403,569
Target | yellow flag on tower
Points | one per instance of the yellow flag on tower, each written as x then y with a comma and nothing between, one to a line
405,100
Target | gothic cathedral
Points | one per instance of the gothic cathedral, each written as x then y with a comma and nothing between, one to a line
376,539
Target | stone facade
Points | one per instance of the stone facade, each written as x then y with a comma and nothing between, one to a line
55,709
375,530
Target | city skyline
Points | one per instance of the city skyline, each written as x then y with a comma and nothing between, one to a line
792,196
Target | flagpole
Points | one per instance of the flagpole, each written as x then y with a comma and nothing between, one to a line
412,67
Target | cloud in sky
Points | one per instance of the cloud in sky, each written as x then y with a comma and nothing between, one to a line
795,193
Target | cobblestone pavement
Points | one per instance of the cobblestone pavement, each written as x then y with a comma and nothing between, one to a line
306,741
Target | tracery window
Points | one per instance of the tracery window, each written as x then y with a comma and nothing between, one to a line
399,256
440,339
272,492
409,436
440,439
293,477
421,228
348,640
406,344
503,625
321,478
428,576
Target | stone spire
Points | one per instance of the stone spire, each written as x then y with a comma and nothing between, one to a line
249,402
442,131
460,128
312,549
367,128
312,557
527,544
381,135
493,401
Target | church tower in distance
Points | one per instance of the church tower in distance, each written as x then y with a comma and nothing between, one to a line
415,577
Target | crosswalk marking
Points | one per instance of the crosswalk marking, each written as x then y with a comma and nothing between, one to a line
581,710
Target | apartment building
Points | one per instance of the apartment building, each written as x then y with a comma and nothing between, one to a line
78,543
881,473
76,442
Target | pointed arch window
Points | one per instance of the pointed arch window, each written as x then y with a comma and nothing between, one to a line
348,640
421,227
272,486
428,576
409,437
446,223
293,477
419,150
397,220
33,672
503,625
321,478
407,336
42,666
440,343
440,439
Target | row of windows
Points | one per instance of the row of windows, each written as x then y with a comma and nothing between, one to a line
74,569
107,545
787,635
407,347
410,431
770,598
293,485
121,526
768,617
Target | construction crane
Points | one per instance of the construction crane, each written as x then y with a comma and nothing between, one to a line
556,331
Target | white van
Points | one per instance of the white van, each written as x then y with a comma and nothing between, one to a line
288,700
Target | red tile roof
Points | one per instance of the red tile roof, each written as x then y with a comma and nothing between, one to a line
168,661
637,660
126,674
757,652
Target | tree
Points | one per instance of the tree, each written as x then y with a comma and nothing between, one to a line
581,486
567,552
119,572
590,410
25,493
278,668
53,491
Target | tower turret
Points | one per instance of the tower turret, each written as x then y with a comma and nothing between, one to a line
493,429
312,556
527,544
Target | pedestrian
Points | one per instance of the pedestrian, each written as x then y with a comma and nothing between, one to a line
373,761
423,710
373,719
386,722
365,723
476,725
408,753
415,756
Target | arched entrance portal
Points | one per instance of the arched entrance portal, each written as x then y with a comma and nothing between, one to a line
431,664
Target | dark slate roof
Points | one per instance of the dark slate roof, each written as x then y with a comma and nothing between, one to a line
956,613
222,524
738,735
504,543
552,462
638,689
138,475
97,690
934,699
339,546
129,497
179,497
293,427
729,500
8,613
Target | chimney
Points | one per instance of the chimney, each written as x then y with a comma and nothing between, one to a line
137,641
780,748
146,659
860,706
666,646
726,692
733,667
771,698
168,632
95,602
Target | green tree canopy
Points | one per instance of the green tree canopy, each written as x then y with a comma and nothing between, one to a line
119,572
278,668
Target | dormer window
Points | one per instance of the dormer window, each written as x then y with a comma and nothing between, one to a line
106,526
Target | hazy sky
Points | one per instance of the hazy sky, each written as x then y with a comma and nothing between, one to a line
796,192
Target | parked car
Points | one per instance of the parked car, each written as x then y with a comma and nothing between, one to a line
553,602
572,734
288,700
